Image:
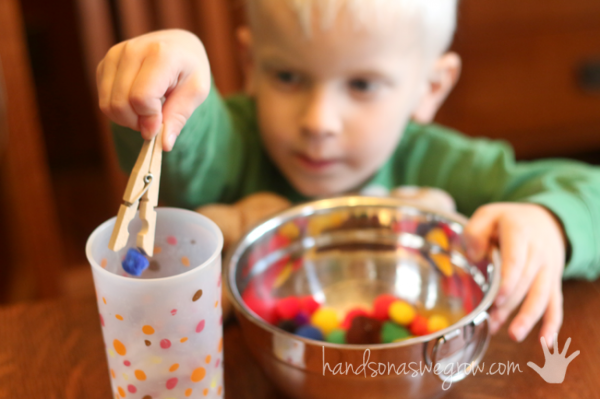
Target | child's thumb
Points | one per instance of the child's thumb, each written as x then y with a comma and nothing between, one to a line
177,109
479,232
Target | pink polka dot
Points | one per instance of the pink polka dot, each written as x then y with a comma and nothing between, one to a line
219,281
171,240
131,388
102,320
200,326
221,321
127,363
217,362
165,344
172,383
174,312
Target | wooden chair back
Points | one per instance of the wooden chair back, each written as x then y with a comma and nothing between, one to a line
34,261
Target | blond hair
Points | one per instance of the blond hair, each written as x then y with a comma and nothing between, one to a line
437,18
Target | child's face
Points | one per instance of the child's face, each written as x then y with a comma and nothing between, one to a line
332,107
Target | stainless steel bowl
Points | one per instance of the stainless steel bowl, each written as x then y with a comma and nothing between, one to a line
344,252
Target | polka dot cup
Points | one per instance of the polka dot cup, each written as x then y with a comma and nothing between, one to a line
163,330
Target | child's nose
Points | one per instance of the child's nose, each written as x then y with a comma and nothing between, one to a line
321,116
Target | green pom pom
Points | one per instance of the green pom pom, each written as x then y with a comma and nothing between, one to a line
337,336
392,331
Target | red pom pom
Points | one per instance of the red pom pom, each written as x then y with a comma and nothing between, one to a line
351,315
309,304
287,308
277,241
419,325
381,306
405,226
265,310
449,232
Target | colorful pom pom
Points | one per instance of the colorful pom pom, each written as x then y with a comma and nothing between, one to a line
135,262
402,312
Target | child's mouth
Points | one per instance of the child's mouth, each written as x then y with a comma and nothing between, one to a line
317,165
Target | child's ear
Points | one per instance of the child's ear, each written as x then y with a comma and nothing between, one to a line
245,48
443,77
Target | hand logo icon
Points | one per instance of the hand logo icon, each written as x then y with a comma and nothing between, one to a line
556,364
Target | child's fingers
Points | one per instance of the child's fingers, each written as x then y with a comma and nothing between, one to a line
525,281
121,109
553,317
480,230
533,307
179,106
156,76
514,252
105,76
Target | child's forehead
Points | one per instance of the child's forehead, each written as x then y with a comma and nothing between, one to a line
321,15
340,49
429,21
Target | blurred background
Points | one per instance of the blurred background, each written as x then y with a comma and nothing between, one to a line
531,76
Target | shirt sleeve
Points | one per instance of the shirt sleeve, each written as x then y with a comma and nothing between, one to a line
207,160
479,171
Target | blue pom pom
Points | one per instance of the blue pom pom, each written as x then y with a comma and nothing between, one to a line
135,263
310,332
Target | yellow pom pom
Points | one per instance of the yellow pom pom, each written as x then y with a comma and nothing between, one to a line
402,313
437,322
443,263
290,230
438,236
325,319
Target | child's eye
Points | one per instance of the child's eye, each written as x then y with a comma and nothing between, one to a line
287,80
287,77
363,86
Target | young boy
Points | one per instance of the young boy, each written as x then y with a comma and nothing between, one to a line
340,95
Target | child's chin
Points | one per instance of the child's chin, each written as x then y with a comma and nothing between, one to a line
319,190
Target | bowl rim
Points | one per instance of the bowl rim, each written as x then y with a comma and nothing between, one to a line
311,207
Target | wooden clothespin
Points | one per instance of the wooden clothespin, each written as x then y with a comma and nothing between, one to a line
142,190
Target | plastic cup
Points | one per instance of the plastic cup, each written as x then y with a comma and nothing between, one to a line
163,330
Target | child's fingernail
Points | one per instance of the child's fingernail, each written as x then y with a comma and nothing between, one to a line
493,326
171,140
519,333
500,300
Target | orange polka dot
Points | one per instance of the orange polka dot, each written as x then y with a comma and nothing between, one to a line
188,392
185,261
104,300
220,348
198,374
174,367
119,347
205,392
140,375
182,340
103,263
119,317
112,372
207,360
219,390
157,250
216,304
121,391
148,330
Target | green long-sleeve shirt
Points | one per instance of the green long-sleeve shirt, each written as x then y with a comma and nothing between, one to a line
219,157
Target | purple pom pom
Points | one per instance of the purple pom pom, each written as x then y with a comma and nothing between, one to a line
301,318
135,263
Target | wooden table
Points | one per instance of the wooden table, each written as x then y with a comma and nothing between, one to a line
54,349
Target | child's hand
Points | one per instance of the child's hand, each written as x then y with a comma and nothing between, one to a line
138,75
532,247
